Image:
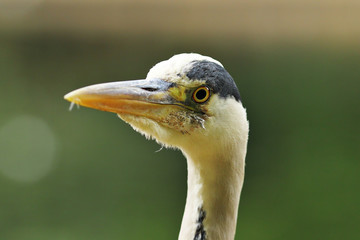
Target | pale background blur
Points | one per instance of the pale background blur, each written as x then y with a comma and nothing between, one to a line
87,175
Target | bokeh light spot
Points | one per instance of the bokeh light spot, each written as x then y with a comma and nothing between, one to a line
27,149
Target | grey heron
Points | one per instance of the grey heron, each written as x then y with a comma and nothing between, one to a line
192,103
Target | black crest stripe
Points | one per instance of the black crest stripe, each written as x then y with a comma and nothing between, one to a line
215,76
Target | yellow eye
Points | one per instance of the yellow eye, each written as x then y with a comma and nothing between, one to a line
201,94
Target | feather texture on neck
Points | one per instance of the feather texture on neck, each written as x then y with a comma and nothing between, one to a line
215,179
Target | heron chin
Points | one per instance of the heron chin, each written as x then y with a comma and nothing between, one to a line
189,102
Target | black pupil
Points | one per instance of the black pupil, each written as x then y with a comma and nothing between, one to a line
201,94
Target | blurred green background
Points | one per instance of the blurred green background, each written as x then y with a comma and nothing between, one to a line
86,174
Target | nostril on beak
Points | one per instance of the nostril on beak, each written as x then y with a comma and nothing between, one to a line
149,89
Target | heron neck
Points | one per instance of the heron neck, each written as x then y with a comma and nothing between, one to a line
214,186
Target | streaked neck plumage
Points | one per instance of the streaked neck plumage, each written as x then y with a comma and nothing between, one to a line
212,200
215,179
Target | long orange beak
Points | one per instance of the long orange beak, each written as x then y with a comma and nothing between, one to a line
148,98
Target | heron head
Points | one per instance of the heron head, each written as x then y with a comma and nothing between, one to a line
183,101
